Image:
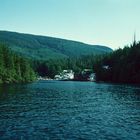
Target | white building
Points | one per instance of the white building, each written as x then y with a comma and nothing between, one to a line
57,77
105,67
65,75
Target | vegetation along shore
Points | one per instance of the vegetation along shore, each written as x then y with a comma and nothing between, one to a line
121,65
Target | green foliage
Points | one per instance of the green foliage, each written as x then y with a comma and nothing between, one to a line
46,48
52,67
14,68
124,65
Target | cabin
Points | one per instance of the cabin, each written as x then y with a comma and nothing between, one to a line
105,67
57,77
65,75
85,75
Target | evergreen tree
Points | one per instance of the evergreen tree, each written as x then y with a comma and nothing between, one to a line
14,68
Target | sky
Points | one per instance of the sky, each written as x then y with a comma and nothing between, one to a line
104,22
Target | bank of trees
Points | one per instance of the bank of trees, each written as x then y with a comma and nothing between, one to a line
13,68
52,67
122,65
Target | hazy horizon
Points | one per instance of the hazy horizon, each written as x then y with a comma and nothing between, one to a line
110,23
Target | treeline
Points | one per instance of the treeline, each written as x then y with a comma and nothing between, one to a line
13,68
52,67
122,65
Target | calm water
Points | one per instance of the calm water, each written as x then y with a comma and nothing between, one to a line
69,110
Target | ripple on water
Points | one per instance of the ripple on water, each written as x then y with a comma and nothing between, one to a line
70,110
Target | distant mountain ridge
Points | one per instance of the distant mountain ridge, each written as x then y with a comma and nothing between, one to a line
44,47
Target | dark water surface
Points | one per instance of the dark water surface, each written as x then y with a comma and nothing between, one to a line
69,110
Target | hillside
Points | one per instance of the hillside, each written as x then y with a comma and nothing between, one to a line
43,47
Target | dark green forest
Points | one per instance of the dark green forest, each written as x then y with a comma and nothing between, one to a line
52,67
13,68
46,48
121,66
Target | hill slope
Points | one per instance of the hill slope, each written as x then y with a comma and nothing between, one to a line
43,48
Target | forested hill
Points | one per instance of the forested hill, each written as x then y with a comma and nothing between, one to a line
44,48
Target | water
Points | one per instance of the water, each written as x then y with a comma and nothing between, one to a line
56,110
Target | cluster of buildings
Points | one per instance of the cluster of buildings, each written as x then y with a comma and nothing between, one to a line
85,75
69,75
65,75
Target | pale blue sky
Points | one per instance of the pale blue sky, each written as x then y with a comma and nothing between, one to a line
106,22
